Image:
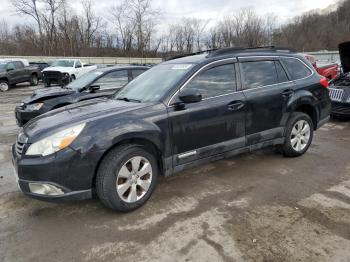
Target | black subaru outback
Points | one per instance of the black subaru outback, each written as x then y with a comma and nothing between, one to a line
179,114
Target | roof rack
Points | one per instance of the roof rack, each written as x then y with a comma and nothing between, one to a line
230,50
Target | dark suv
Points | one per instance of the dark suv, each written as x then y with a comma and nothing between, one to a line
179,114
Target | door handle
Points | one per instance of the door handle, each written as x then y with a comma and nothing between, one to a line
236,105
288,93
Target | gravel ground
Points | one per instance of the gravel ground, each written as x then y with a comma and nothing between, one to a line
254,207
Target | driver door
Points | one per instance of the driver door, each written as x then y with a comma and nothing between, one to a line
214,125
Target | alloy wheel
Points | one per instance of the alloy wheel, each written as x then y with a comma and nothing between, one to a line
134,179
300,135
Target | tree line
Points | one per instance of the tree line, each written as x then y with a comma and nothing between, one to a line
135,28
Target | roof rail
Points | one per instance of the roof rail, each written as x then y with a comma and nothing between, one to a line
191,54
229,50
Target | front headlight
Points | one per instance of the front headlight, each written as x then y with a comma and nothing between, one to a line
35,106
55,142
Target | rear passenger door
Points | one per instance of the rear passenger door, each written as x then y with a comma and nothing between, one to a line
267,90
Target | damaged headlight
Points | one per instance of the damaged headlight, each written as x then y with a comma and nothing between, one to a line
55,142
35,106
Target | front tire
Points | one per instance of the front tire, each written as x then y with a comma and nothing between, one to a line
299,135
34,80
126,177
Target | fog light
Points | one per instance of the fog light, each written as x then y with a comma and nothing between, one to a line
45,189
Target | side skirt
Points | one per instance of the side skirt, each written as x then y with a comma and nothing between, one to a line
228,154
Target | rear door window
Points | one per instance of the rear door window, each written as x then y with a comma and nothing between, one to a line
18,65
259,73
296,68
219,80
137,72
115,79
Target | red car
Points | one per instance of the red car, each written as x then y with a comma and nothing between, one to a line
330,71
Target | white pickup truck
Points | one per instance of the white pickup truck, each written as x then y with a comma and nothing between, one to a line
63,71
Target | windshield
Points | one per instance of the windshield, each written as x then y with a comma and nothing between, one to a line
85,80
154,83
63,63
2,66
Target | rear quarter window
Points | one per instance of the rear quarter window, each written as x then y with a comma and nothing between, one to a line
296,68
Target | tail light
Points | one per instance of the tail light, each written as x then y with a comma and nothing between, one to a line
324,82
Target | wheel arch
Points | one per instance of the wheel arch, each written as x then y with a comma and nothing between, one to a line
4,78
310,111
305,102
149,145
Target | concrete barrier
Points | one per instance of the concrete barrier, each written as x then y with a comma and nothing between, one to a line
93,60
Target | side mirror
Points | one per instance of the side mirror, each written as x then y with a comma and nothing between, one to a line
190,95
10,69
77,66
93,88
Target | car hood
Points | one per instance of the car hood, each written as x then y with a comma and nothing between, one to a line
86,111
61,69
344,52
41,94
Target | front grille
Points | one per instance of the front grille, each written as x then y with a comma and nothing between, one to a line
19,148
336,94
52,74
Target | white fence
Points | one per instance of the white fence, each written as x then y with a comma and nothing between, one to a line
326,57
94,60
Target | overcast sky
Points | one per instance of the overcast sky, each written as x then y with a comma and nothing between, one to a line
208,9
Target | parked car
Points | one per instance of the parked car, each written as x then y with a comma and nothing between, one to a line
340,87
97,83
12,59
179,114
14,72
63,71
330,71
40,65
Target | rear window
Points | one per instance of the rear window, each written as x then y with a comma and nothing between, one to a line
296,68
259,73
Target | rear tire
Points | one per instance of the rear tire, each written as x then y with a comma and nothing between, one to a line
34,80
126,177
4,85
299,135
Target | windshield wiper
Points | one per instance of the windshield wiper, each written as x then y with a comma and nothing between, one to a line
128,99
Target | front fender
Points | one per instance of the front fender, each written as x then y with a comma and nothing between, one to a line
119,132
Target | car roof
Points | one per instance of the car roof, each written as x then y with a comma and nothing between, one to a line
120,67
